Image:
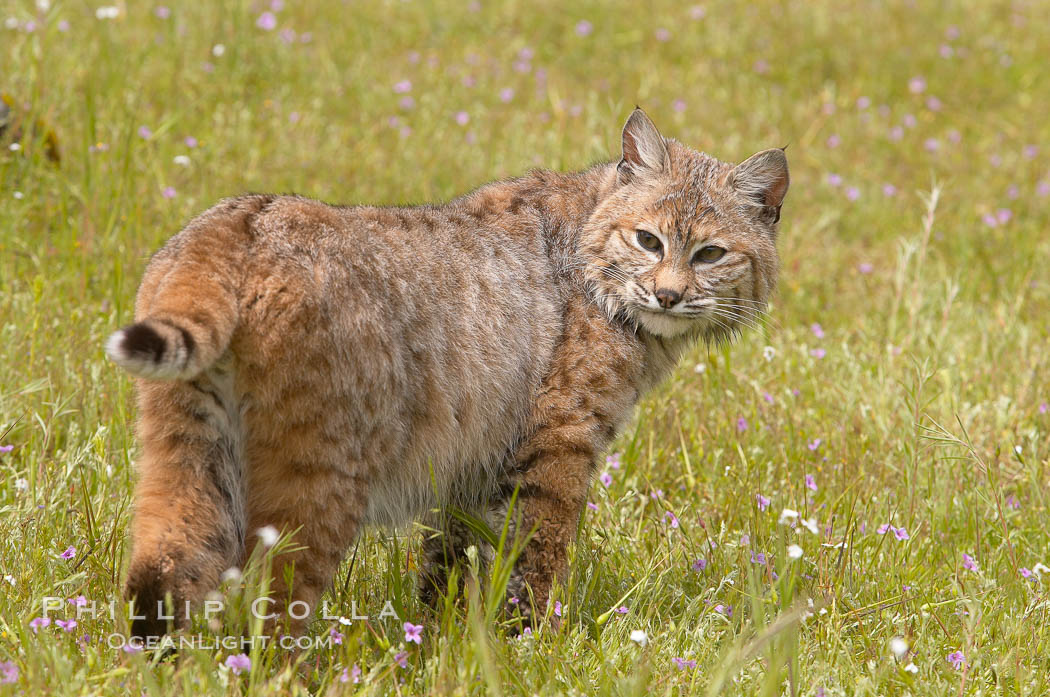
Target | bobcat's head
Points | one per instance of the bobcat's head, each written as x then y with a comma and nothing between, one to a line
685,244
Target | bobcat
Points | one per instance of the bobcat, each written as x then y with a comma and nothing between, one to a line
320,368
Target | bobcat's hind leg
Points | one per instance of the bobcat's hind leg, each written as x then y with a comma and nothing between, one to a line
441,552
318,495
188,524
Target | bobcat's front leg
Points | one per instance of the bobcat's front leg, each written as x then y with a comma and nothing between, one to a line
586,396
551,492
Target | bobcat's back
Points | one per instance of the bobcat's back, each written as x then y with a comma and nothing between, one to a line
408,342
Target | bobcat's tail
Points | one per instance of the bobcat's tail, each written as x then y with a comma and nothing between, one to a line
187,306
167,348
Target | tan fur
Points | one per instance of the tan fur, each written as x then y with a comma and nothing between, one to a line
320,368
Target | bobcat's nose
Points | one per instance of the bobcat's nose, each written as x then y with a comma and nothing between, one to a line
667,297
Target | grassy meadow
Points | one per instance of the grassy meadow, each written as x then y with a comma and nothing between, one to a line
852,500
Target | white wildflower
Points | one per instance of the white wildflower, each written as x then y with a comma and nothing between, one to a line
267,535
794,552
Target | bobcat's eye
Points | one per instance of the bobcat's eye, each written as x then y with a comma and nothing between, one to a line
649,241
709,255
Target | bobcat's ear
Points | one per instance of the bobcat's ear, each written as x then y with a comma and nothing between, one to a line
644,149
762,180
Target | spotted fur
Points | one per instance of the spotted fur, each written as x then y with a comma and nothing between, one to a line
319,368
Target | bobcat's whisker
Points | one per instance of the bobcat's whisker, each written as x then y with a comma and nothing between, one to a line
750,312
735,318
753,321
726,330
759,303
